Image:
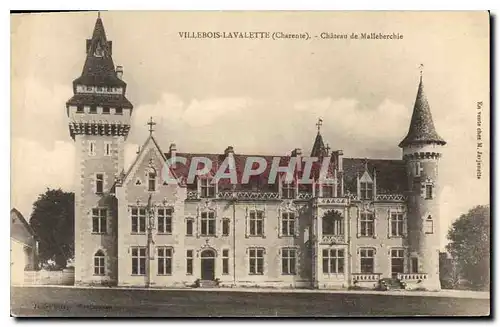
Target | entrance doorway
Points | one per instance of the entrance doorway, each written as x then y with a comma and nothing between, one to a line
208,264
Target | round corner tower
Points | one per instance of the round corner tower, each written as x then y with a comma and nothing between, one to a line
99,121
421,151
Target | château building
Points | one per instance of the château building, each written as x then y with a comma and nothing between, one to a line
371,219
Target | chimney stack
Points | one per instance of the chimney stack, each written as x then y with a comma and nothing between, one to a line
172,151
297,152
119,72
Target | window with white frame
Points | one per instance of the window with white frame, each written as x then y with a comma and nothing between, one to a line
429,225
138,218
99,183
366,224
99,263
367,261
189,262
256,261
397,224
288,224
256,223
107,148
225,262
207,188
138,260
99,216
208,223
333,261
287,189
164,216
151,181
366,190
332,223
397,262
288,261
164,260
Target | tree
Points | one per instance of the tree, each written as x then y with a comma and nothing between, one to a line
52,220
470,246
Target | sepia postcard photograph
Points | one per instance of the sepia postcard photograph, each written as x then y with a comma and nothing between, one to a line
250,164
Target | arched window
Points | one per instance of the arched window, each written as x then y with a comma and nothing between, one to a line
99,263
429,225
333,223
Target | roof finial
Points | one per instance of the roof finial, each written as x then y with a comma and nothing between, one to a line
319,124
151,123
421,67
327,148
366,164
98,15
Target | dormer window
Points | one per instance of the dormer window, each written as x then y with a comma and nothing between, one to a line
366,190
288,190
207,188
119,110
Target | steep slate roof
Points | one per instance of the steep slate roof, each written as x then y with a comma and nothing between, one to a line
391,174
422,130
20,230
114,100
318,149
99,71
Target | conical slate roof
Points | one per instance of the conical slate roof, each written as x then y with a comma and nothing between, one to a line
422,130
318,149
99,69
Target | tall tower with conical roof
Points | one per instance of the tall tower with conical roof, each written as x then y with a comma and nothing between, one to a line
99,122
421,152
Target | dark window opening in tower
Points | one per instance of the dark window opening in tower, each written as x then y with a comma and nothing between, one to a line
93,109
417,168
366,190
105,110
79,109
429,225
119,110
428,192
99,183
332,224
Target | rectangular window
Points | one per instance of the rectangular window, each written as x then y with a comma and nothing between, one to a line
151,182
138,220
91,148
99,220
367,224
256,261
99,268
189,262
119,111
288,190
367,261
164,261
208,223
207,188
79,109
396,224
428,192
414,265
397,262
417,168
105,110
366,190
107,149
165,221
138,260
99,183
225,262
327,190
288,224
333,261
429,225
189,227
256,223
93,109
225,227
288,261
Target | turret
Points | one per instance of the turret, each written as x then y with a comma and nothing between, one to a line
421,152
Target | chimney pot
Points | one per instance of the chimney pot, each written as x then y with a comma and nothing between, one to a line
229,150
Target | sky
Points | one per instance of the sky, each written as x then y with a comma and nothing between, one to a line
260,96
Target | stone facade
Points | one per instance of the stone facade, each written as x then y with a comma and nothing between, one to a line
377,219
